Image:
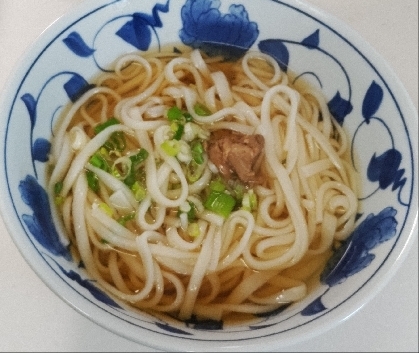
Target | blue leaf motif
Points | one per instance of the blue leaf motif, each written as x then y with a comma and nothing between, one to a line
385,169
40,224
372,101
138,31
276,49
204,324
354,254
312,41
314,307
76,86
30,103
77,45
41,149
339,108
206,28
172,329
88,284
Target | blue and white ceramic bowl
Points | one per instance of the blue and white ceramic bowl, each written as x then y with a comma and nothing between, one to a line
363,94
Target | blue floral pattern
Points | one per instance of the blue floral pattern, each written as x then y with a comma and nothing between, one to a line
278,48
206,28
40,224
205,25
356,252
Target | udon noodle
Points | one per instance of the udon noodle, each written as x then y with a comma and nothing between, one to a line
202,188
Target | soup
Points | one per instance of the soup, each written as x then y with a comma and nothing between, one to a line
202,188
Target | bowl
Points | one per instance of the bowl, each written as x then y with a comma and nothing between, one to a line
362,93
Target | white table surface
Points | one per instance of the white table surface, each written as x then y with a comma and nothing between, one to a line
32,318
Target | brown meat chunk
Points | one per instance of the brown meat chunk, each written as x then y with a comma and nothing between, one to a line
237,155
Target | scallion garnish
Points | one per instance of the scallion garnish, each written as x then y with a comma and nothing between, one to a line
136,160
193,230
116,142
99,128
106,208
220,203
58,187
174,114
179,132
201,110
140,157
197,152
249,202
99,162
178,115
139,191
124,219
92,181
188,117
217,185
171,147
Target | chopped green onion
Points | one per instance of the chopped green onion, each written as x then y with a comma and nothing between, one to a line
190,209
104,152
192,212
217,185
99,162
201,110
194,171
116,142
58,187
188,117
92,181
115,173
249,202
112,121
106,208
179,132
139,157
59,200
197,152
174,114
171,147
185,207
139,191
104,241
124,219
220,203
253,200
130,179
136,159
193,230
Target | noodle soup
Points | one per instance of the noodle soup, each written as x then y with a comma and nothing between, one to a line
202,188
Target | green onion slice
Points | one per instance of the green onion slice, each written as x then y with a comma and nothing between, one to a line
58,187
140,157
220,203
197,152
92,180
99,128
171,147
174,114
201,110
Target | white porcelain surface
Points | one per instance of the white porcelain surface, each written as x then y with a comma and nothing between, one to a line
35,319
